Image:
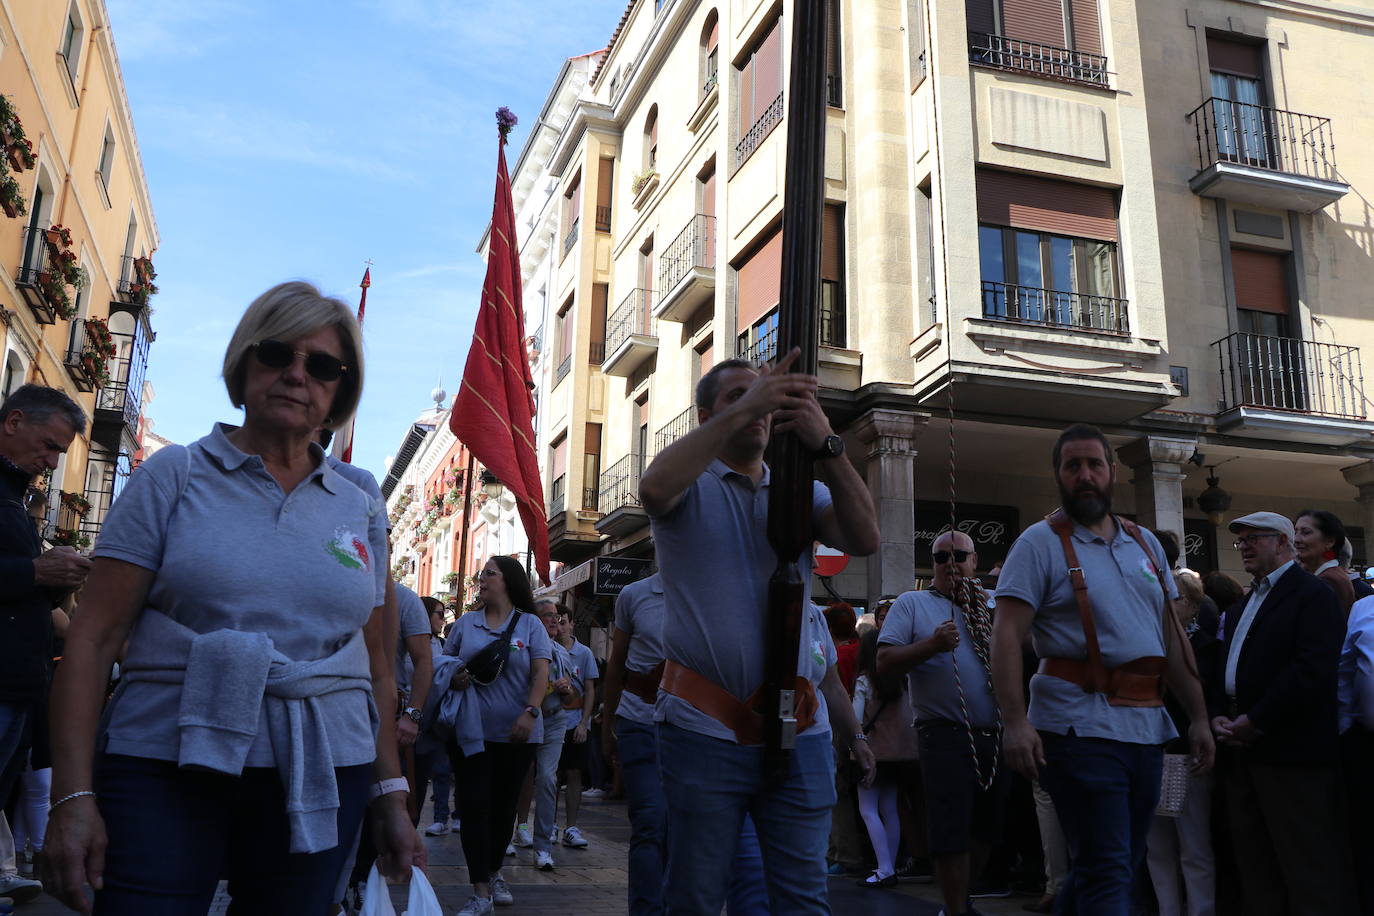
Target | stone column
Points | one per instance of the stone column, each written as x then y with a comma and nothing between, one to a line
890,439
1361,477
1158,465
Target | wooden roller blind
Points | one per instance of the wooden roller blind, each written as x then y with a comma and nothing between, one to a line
832,242
1261,280
1040,21
1087,26
652,129
713,38
759,281
605,173
592,439
560,457
1047,205
708,193
1236,57
981,16
767,71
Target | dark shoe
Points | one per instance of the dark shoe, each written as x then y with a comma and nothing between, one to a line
981,890
874,881
1044,905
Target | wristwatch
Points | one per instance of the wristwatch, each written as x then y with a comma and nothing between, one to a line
533,711
831,447
411,713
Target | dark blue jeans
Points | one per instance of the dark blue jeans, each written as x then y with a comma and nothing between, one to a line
173,834
1105,793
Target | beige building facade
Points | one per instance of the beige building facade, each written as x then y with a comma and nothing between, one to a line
77,235
1140,215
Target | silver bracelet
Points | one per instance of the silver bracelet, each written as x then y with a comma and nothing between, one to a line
53,806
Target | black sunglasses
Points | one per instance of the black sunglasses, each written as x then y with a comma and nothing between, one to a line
277,355
942,556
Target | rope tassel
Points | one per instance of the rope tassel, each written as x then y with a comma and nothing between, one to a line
971,601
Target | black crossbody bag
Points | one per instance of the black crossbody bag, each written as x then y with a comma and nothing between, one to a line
488,664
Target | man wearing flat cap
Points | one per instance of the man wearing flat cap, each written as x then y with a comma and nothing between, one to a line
1277,732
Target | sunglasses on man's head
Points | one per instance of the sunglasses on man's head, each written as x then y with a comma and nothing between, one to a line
942,556
277,355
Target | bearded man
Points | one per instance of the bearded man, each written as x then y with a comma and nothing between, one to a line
1093,591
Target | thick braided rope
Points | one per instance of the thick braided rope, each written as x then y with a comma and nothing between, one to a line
971,601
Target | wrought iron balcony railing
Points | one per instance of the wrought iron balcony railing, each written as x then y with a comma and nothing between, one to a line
563,369
634,315
589,499
570,239
1054,308
1284,373
558,496
675,429
1040,60
620,484
603,219
771,117
1264,138
596,352
695,246
762,350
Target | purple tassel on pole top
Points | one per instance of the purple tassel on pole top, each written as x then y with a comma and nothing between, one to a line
505,120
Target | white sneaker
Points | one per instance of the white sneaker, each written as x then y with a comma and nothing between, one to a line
476,906
543,861
593,793
438,828
18,888
500,891
574,838
523,838
510,849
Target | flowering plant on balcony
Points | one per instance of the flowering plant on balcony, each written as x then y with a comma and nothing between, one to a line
437,500
451,479
59,237
642,180
98,331
54,290
76,503
452,496
11,197
142,285
70,537
449,578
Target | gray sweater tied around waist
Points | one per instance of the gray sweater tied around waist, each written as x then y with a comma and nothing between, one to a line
227,678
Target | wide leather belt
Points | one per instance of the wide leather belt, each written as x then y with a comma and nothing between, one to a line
644,684
740,717
1139,682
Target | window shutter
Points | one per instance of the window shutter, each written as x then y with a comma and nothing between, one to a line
560,457
604,176
1261,280
1236,57
759,281
592,439
981,17
1047,205
832,242
600,292
1087,26
767,71
1041,21
708,356
746,95
713,39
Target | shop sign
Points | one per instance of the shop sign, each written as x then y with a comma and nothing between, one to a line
993,529
611,574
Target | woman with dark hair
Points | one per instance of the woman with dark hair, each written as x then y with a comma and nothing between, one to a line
840,619
884,713
1318,545
509,683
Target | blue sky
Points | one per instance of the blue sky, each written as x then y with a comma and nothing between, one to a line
294,140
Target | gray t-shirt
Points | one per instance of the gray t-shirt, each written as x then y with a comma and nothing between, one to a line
934,691
230,550
377,540
639,614
505,698
581,669
715,563
414,620
1128,609
555,720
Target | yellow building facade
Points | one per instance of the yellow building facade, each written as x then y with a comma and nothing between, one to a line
1149,216
77,235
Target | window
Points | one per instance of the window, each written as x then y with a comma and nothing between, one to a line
757,287
563,352
76,333
833,320
70,49
572,212
651,139
916,40
14,374
759,100
1054,279
703,358
640,441
1261,281
605,175
558,474
1055,38
591,465
597,352
759,342
834,96
107,153
646,267
710,53
1243,126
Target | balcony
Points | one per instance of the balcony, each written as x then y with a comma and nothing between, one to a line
570,239
564,368
1039,60
771,118
675,429
687,270
1264,156
631,334
618,499
37,280
762,350
118,403
84,367
1055,308
1290,389
558,497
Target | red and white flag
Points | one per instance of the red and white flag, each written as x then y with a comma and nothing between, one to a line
343,439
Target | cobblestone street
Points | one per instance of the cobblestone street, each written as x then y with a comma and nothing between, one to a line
591,882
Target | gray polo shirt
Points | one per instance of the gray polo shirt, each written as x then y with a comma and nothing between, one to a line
377,540
1128,609
581,669
934,692
639,614
505,698
414,621
555,721
715,563
231,550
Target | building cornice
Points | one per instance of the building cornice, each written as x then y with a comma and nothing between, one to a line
1331,12
587,116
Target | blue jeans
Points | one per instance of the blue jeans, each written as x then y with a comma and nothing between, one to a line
748,893
710,785
1105,792
546,784
638,745
174,833
16,735
441,776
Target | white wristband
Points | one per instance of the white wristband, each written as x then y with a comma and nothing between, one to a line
386,787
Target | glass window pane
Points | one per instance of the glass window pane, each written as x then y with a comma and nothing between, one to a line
990,254
1029,271
1099,275
1061,264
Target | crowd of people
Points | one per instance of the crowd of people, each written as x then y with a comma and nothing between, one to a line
243,694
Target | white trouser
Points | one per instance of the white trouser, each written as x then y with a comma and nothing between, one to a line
546,783
1052,841
1182,867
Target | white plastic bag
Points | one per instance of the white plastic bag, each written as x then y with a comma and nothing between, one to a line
377,900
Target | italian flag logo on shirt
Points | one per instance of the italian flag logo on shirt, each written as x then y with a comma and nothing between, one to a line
348,549
818,652
517,644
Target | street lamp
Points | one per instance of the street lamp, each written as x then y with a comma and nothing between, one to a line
491,484
1214,500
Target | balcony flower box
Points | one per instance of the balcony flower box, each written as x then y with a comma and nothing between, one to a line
55,292
76,503
70,537
11,197
643,186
